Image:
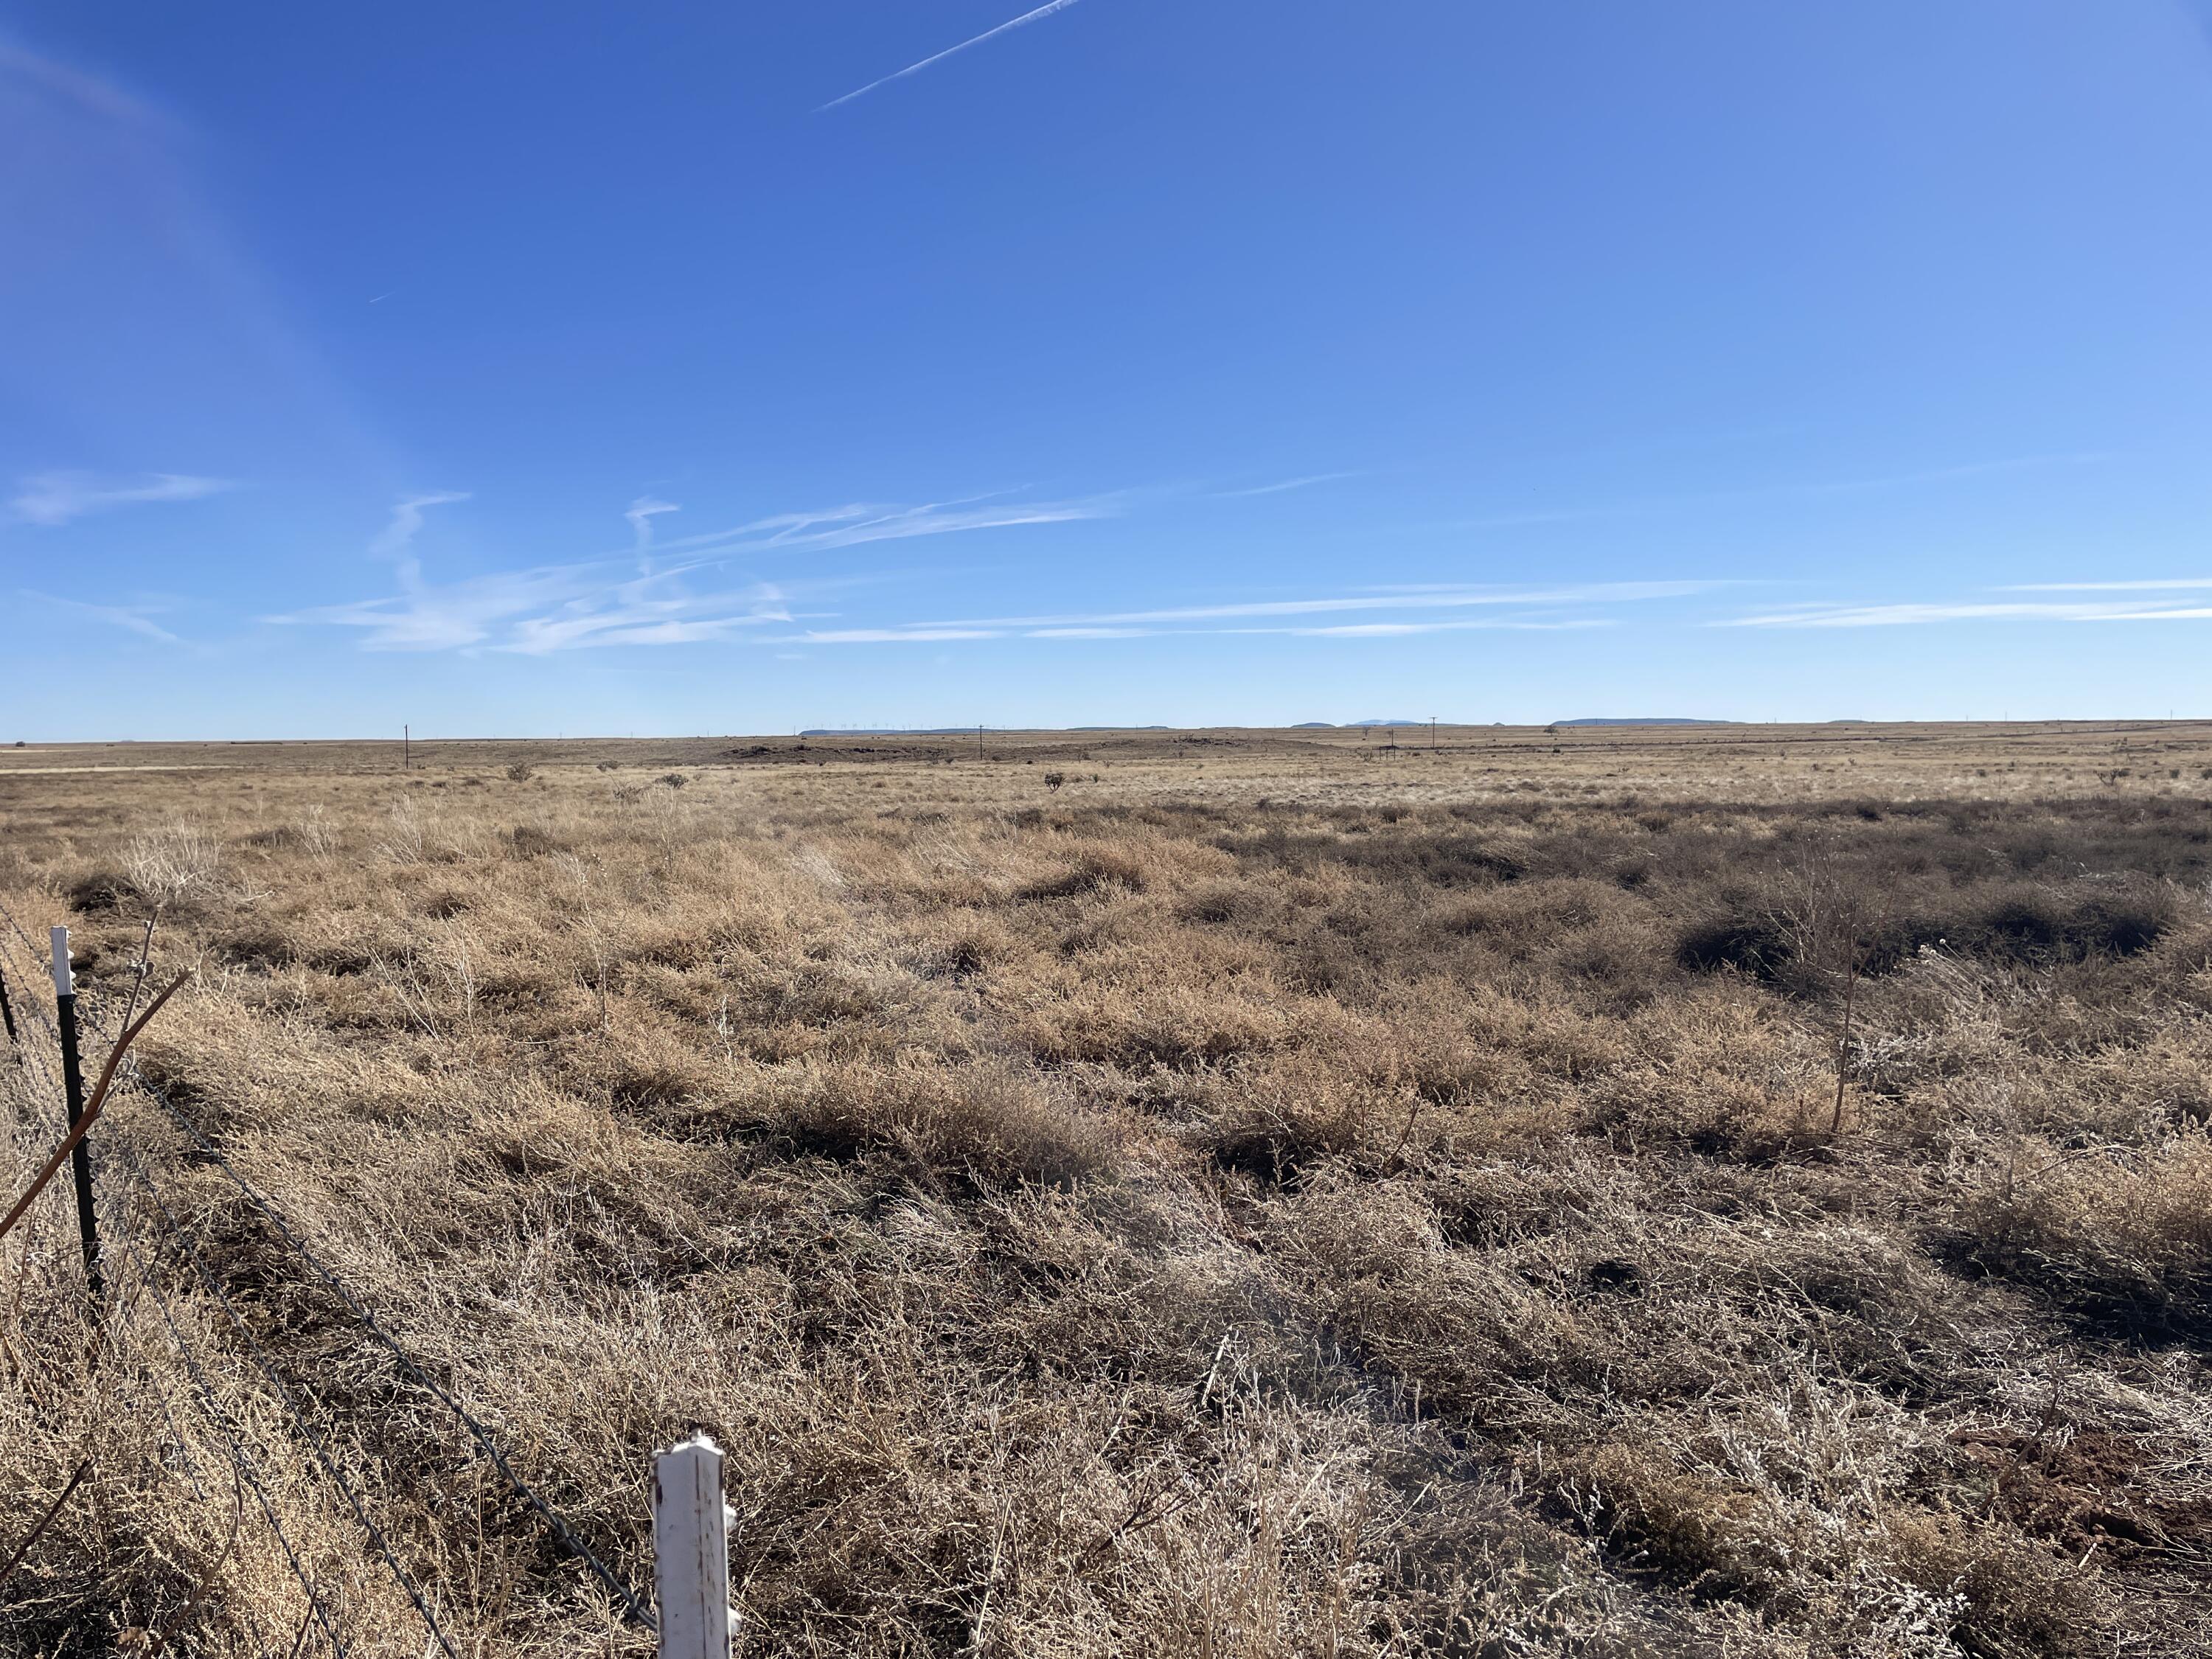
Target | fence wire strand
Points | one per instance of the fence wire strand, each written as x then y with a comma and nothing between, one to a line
90,1000
267,1367
240,1458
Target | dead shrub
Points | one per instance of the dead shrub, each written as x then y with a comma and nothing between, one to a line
2122,1236
1099,870
177,864
1218,902
528,841
104,891
996,1125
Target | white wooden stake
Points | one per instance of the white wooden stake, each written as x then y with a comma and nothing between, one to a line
691,1552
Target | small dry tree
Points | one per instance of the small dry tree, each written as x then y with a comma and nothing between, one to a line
1835,920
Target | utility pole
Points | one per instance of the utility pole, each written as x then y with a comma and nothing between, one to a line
1432,734
406,748
979,742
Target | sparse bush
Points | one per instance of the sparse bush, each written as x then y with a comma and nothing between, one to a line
528,841
103,891
173,867
520,772
1095,871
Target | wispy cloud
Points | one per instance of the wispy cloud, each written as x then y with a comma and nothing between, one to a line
406,524
1431,597
1309,479
1533,608
628,599
57,498
1969,470
856,525
920,633
1027,17
676,593
1801,490
892,635
2155,585
1912,614
425,617
641,513
137,618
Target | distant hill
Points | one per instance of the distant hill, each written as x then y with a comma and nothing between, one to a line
1381,723
1315,726
1661,720
951,731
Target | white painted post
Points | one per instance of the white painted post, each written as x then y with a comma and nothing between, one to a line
691,1552
65,980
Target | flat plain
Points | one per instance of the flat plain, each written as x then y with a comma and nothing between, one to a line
1731,1190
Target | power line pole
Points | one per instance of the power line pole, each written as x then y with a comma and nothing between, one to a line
406,748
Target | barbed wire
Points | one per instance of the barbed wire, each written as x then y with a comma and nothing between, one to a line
240,1460
176,1235
91,1001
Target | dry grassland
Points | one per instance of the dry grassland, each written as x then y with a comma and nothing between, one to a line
1712,1192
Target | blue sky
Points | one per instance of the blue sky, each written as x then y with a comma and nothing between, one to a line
556,368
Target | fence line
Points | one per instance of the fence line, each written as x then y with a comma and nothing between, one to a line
314,1442
633,1609
241,1462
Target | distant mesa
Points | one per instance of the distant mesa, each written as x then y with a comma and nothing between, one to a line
1315,726
951,731
1641,720
1381,723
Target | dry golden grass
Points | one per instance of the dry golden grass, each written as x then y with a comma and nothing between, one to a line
1265,1195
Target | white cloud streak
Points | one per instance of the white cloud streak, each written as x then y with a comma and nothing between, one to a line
667,594
1416,599
2155,585
641,513
54,499
1286,485
860,523
136,618
1027,17
619,599
407,523
1918,614
1149,624
1810,490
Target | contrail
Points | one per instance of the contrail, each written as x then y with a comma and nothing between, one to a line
1045,11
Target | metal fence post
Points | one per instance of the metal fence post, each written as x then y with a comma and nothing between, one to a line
691,1552
88,1227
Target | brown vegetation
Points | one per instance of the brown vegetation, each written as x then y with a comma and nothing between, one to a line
1259,1197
